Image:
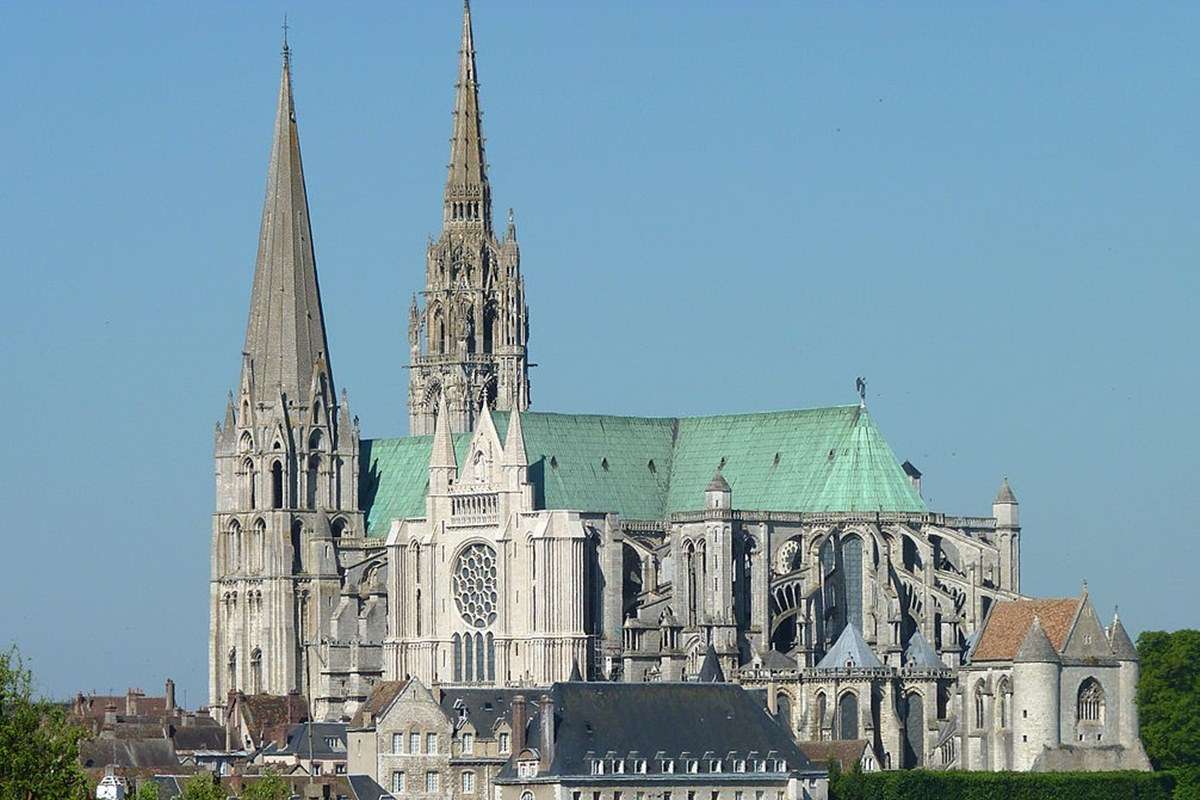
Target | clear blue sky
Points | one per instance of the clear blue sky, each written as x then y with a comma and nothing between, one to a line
991,212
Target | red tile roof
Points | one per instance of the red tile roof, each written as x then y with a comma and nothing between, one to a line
1009,621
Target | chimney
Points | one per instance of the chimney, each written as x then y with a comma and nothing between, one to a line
170,695
546,731
131,705
110,714
520,720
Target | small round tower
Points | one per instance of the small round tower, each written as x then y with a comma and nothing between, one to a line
1128,671
1036,681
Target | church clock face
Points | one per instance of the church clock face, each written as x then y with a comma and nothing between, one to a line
474,585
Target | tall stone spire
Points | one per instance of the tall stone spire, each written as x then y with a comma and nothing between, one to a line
468,340
468,198
285,334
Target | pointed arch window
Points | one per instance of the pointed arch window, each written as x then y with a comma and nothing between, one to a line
852,568
248,473
1090,704
848,716
231,667
256,670
277,484
458,670
232,542
979,704
258,548
1004,690
469,646
312,480
821,710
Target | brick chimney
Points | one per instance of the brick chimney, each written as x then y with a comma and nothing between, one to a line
546,731
520,719
131,702
170,695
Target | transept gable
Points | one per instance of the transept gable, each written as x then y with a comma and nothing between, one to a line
1087,638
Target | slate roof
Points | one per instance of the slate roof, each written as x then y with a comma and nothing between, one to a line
850,649
710,670
921,654
365,788
127,753
644,468
1008,622
199,737
484,707
1005,494
300,743
646,718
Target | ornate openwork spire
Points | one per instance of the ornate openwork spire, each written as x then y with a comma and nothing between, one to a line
468,199
285,334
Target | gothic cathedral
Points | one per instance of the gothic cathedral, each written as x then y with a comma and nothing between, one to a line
499,546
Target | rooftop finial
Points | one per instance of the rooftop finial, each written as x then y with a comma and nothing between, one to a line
860,386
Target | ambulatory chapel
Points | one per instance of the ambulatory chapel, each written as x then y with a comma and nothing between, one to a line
501,545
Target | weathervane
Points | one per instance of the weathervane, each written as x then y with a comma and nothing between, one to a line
860,386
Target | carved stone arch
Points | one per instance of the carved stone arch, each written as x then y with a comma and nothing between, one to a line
433,391
315,440
339,526
246,442
789,555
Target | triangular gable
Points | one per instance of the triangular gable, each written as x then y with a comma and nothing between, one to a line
1087,638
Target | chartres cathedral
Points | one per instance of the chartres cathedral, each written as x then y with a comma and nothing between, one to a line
496,545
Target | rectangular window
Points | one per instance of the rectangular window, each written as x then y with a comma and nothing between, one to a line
737,796
468,782
616,796
397,743
398,782
693,766
504,743
414,744
468,743
339,769
668,766
316,768
432,782
431,743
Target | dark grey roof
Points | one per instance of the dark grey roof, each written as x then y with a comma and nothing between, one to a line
1005,495
483,707
1122,645
128,753
592,719
910,469
718,483
852,650
1036,646
199,737
773,659
710,670
921,654
301,744
365,788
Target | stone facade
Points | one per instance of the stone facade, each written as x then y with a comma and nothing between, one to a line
502,547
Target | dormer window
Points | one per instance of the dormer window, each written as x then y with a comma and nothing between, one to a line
527,769
668,766
618,766
503,739
739,765
715,765
639,766
597,766
693,766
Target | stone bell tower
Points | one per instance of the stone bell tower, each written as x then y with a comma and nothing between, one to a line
468,339
286,457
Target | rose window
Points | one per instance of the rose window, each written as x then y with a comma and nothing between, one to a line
474,585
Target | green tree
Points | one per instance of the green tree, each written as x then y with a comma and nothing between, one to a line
268,787
203,786
1168,697
147,791
39,748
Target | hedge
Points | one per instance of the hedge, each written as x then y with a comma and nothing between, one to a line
925,784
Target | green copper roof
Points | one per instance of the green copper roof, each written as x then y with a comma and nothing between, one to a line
822,459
